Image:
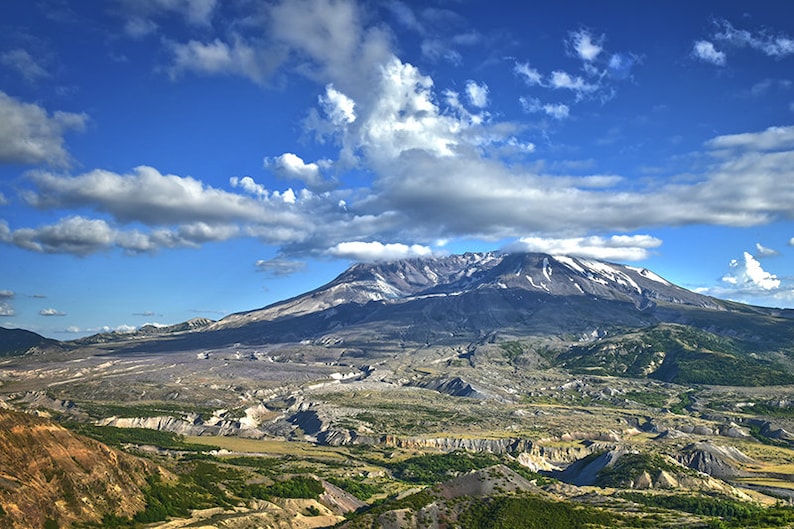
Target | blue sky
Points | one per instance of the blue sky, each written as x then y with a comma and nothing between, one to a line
167,159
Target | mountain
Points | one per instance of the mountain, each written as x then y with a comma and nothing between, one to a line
589,316
145,331
411,280
466,297
19,341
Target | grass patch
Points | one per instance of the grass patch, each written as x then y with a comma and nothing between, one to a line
731,513
434,468
110,435
532,512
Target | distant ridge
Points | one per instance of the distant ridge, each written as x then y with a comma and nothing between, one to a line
15,342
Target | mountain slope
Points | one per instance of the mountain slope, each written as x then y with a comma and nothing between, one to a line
472,295
48,473
414,279
19,341
575,306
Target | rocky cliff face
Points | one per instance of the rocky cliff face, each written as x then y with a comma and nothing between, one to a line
48,473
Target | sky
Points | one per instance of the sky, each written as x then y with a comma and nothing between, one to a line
162,160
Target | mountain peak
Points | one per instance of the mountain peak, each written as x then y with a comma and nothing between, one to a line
406,280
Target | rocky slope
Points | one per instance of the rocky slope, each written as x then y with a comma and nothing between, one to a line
49,473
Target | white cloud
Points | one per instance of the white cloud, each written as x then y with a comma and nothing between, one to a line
339,108
83,236
6,309
145,196
748,275
777,46
51,312
77,235
705,51
583,45
554,110
771,139
249,185
377,251
24,64
3,200
564,80
616,247
29,135
477,93
287,196
279,266
530,75
292,166
404,116
332,36
763,251
220,58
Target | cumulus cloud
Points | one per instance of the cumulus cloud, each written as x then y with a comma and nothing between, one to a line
332,36
51,312
77,235
405,116
248,184
30,135
616,247
292,166
771,139
377,251
82,236
437,170
749,275
339,108
221,58
705,51
584,46
24,64
747,281
477,94
149,197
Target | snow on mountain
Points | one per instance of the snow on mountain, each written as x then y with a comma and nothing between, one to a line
422,278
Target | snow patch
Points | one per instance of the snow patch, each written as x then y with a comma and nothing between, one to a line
644,272
569,262
546,268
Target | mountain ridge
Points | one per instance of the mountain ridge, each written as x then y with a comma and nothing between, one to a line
407,279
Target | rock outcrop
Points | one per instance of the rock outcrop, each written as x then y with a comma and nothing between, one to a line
49,473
